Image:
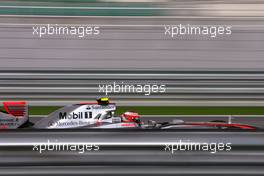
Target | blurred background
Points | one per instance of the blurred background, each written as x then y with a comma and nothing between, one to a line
226,71
203,76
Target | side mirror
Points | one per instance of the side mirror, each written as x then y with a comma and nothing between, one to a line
116,120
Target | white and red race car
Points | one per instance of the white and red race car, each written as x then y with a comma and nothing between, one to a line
97,115
84,115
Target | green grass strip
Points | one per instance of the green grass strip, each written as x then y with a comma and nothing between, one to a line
171,110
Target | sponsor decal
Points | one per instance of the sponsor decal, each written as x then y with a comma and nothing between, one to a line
128,125
68,124
9,123
79,115
104,107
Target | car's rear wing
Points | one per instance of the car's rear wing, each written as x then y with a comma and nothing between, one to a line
17,109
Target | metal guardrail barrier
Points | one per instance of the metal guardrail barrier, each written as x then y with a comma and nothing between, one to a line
182,88
133,170
133,152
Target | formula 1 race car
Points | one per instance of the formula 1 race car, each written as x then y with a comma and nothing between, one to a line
83,115
97,115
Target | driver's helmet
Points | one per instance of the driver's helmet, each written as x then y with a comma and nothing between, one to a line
130,117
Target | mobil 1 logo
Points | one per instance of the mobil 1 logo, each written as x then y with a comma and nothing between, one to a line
78,115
